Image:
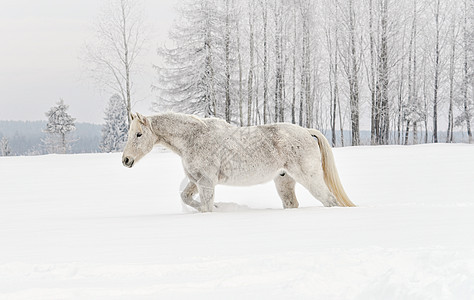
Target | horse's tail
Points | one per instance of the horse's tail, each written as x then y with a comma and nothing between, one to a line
331,176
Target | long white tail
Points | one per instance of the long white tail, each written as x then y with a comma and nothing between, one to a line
331,177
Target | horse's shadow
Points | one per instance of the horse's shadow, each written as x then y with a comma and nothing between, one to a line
221,207
230,207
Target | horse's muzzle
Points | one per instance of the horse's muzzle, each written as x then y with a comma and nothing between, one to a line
128,162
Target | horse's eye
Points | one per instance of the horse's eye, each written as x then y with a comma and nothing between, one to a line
139,134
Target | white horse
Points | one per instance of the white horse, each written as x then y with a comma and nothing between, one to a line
215,152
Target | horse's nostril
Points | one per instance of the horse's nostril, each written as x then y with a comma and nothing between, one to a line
128,161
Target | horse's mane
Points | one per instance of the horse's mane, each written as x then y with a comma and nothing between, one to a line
196,119
199,119
185,118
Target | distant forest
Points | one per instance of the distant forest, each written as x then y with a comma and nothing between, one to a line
25,137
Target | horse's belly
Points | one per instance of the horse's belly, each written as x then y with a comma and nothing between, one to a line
248,178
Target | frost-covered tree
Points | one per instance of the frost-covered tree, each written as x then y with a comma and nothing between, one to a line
468,68
5,147
409,109
112,56
453,40
350,59
60,125
188,78
114,131
199,72
437,67
381,119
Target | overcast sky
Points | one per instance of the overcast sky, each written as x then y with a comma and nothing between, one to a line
40,45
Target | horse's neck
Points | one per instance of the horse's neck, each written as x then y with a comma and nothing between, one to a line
174,131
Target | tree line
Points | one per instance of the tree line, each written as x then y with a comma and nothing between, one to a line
398,68
27,137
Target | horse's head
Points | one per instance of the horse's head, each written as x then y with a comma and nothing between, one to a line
141,140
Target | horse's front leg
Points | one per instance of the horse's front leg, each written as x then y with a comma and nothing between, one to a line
187,196
204,184
206,194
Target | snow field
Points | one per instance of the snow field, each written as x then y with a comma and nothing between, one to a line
84,227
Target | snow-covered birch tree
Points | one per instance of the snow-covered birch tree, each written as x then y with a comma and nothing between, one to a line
467,102
351,61
264,5
437,66
111,58
453,42
332,46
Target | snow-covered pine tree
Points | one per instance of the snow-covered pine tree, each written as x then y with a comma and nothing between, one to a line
5,147
195,75
114,131
60,125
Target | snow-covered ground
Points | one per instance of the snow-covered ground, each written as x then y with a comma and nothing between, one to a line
84,227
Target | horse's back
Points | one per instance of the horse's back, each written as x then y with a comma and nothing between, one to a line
256,154
279,138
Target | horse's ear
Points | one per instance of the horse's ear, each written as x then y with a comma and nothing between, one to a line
142,119
132,116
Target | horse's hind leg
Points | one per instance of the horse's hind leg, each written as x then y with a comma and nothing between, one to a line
318,188
314,182
285,186
187,195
